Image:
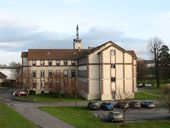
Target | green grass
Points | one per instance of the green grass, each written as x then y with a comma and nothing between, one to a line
143,96
152,90
80,117
155,90
48,98
11,119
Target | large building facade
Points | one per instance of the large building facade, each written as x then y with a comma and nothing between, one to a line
103,72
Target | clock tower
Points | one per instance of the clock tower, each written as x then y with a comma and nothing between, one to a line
77,42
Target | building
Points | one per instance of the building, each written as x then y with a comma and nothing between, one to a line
2,77
102,72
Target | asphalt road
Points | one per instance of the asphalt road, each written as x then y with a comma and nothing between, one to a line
137,115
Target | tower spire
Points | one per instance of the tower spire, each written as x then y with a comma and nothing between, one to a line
77,32
77,41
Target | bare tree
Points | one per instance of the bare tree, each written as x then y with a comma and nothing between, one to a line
16,71
141,70
123,99
154,47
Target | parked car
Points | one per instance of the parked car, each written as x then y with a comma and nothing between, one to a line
135,104
148,104
140,85
93,105
20,93
122,104
115,116
144,85
106,106
148,85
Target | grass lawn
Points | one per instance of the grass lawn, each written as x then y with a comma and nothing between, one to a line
11,119
152,90
48,98
80,117
143,96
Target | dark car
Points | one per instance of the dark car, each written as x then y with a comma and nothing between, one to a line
93,106
20,93
141,85
122,104
115,116
106,106
148,104
135,104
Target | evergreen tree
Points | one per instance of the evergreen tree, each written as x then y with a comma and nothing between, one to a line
164,61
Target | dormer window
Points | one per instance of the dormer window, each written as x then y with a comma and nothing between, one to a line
57,63
73,63
34,63
49,63
42,63
65,63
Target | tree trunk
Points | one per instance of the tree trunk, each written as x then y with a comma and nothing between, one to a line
157,71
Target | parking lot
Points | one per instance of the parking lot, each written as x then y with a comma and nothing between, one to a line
137,115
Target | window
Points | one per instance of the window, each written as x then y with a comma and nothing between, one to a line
42,73
113,52
49,63
113,65
33,63
57,73
42,63
57,63
33,74
73,63
113,79
73,73
50,74
65,63
65,73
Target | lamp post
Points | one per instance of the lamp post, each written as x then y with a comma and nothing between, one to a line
75,54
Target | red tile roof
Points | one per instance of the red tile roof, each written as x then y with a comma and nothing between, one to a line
66,54
54,54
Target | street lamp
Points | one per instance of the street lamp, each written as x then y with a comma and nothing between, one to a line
75,54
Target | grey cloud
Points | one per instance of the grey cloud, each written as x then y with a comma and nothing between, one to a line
21,38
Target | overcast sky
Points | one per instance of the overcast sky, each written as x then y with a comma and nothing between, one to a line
28,24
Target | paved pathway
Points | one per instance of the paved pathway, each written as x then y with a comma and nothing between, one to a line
41,119
31,112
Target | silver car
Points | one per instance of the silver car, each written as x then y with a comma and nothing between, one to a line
115,116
